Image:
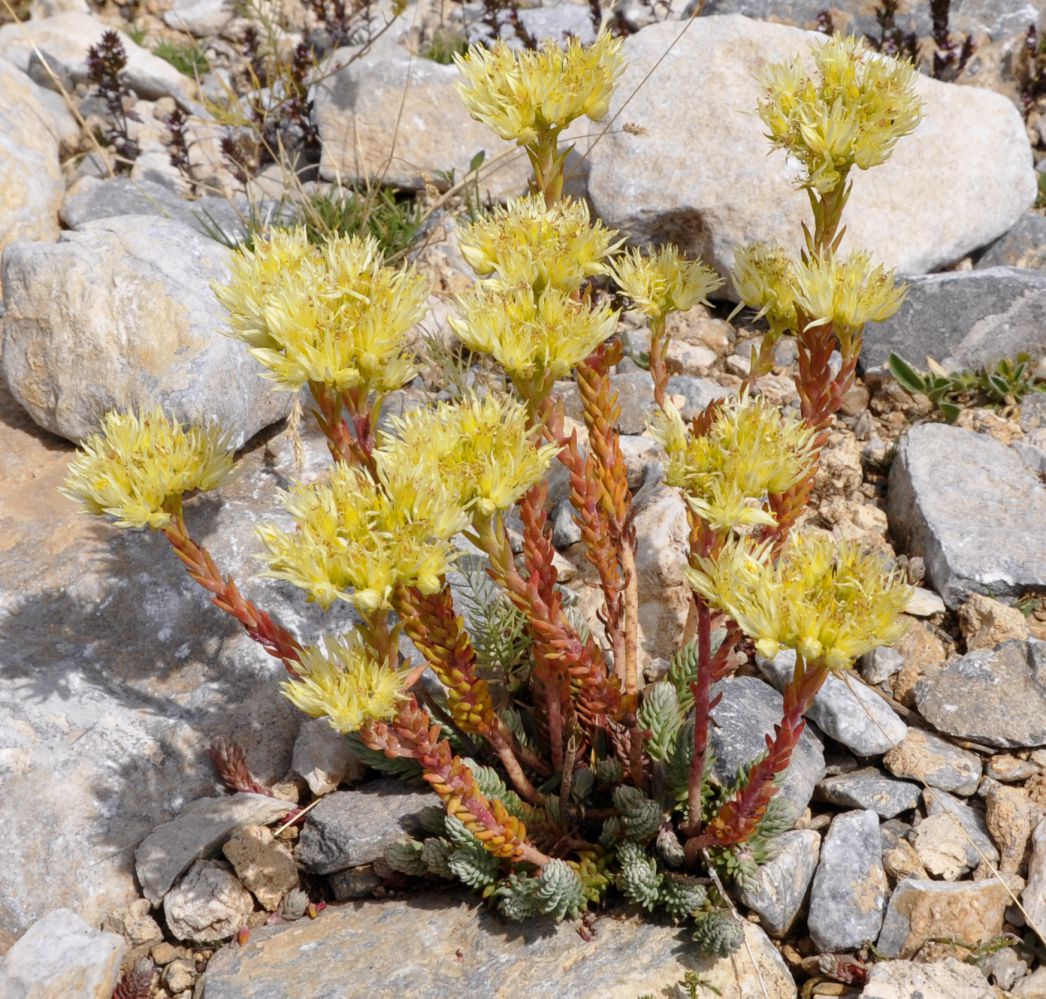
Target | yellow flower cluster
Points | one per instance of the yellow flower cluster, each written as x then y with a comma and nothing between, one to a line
524,242
335,316
828,601
725,475
525,95
139,463
356,539
850,114
662,282
845,294
344,683
479,450
532,336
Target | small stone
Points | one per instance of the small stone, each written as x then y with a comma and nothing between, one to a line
1033,898
1010,769
849,889
844,709
783,881
992,696
1010,816
869,789
924,603
200,829
59,957
323,757
207,904
947,979
923,653
352,828
962,523
697,393
924,911
163,953
940,845
880,664
1006,968
565,529
179,975
977,843
1022,246
901,861
264,867
356,882
134,923
986,623
1032,987
926,757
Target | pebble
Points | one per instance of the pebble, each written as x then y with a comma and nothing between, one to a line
783,881
928,758
869,789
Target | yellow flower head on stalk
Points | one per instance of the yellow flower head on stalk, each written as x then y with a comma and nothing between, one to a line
851,112
662,282
526,243
138,463
338,317
763,280
750,451
825,600
523,94
846,293
530,335
480,450
356,540
345,683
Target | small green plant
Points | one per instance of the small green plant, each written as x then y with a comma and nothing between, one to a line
563,778
444,46
188,58
1004,383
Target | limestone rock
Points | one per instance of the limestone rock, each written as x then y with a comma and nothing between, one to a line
986,623
1022,246
947,979
350,828
59,957
1010,816
954,498
430,945
932,760
201,18
323,757
119,315
31,182
976,841
849,890
134,923
940,845
747,713
844,709
265,868
1034,895
869,789
398,118
923,911
62,42
647,182
993,696
207,904
880,664
783,881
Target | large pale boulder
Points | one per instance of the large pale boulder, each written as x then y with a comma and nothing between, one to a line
697,170
121,314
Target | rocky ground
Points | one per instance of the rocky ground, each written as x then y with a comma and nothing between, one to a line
919,864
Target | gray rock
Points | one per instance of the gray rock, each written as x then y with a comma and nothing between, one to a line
844,709
1023,246
323,757
199,830
61,43
849,890
565,529
557,23
355,111
354,883
955,498
1033,412
1032,987
116,672
30,173
940,843
783,881
429,945
747,713
994,696
922,911
869,789
976,839
1033,898
120,315
59,957
697,393
928,758
351,828
646,182
202,18
207,904
963,319
880,664
947,979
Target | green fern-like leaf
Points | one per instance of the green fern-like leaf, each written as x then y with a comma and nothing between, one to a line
433,819
498,630
436,855
491,784
641,817
515,898
609,770
638,878
717,933
682,896
668,847
660,715
406,856
559,892
474,865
